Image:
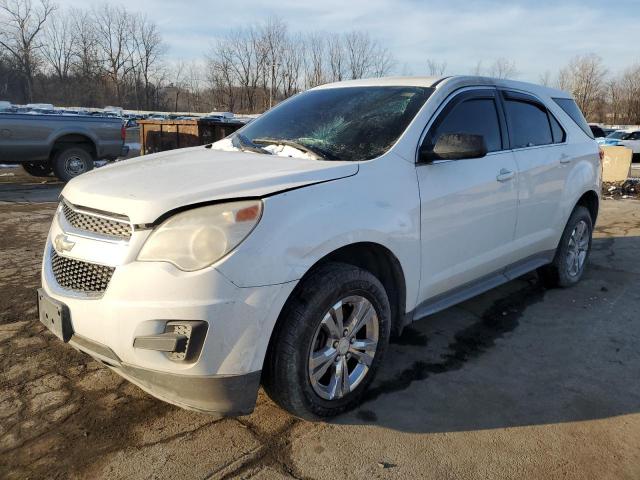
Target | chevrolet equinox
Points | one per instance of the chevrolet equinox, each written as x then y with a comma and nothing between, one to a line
286,254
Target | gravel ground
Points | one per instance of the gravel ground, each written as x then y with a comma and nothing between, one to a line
520,382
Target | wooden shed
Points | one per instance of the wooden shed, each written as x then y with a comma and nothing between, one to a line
161,135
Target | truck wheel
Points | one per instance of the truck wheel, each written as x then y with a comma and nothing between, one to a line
70,162
37,169
329,342
572,253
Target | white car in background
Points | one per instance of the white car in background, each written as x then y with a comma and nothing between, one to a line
287,254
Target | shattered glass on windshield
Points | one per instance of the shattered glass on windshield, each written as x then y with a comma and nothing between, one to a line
352,123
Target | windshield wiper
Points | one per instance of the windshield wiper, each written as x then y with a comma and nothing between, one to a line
243,143
315,153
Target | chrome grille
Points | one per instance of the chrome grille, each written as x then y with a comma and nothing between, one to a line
80,276
96,223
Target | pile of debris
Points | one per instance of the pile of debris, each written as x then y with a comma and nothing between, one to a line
630,188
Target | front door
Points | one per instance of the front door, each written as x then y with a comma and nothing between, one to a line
468,207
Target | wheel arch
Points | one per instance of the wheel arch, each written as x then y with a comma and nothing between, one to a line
591,202
71,139
378,260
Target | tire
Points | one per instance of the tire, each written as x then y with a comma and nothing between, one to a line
302,330
563,272
37,169
72,161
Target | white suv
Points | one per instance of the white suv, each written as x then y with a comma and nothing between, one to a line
287,254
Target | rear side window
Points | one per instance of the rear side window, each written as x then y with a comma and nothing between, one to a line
476,116
571,109
528,124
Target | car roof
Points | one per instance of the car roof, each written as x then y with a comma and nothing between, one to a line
453,82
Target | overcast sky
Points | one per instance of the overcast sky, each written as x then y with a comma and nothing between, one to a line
539,35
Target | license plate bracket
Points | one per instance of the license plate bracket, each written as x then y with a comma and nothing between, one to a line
55,316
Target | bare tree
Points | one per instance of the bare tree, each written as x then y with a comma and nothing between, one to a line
545,79
436,69
383,62
113,29
314,60
21,25
336,58
273,37
359,48
478,69
292,58
503,68
60,44
86,44
628,101
148,51
584,77
365,57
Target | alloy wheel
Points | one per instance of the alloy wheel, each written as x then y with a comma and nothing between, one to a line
343,347
578,248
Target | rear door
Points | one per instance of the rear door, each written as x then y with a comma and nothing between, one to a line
468,207
536,137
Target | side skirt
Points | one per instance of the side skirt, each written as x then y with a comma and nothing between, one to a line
476,287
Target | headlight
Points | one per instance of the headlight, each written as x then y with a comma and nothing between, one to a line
196,238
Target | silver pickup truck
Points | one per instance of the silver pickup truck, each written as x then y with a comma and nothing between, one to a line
66,145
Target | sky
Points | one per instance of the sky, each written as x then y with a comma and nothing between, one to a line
539,35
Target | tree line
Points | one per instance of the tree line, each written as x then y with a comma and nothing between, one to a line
108,55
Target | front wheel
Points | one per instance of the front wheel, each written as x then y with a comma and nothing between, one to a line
572,253
37,169
329,342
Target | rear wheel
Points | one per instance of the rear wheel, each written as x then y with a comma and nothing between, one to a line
72,161
37,169
573,251
329,342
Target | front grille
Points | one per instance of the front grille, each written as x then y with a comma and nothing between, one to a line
80,276
95,223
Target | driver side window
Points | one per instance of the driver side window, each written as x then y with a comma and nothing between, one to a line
476,116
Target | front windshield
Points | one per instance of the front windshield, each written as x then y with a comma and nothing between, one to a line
351,123
617,135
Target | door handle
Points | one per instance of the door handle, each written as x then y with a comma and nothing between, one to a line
505,175
565,158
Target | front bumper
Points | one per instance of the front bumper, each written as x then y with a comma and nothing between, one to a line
227,395
140,300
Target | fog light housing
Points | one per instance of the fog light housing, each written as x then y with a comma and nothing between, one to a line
195,332
181,341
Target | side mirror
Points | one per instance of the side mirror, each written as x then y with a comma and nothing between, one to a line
455,146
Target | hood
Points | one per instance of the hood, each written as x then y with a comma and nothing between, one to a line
147,187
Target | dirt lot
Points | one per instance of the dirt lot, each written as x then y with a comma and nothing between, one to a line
520,382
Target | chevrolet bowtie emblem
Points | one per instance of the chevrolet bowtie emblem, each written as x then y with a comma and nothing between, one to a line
62,243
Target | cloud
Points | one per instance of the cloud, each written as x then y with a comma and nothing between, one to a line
539,35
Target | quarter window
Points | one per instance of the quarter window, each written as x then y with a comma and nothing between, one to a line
476,116
558,132
528,124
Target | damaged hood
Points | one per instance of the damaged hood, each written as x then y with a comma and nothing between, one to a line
147,187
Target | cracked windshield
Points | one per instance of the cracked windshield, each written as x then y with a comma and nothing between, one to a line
357,123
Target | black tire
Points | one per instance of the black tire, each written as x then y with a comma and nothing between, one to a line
557,274
285,374
72,161
37,169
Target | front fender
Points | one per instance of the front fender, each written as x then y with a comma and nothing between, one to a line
380,205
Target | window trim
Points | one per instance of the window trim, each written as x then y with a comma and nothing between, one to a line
527,97
461,95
